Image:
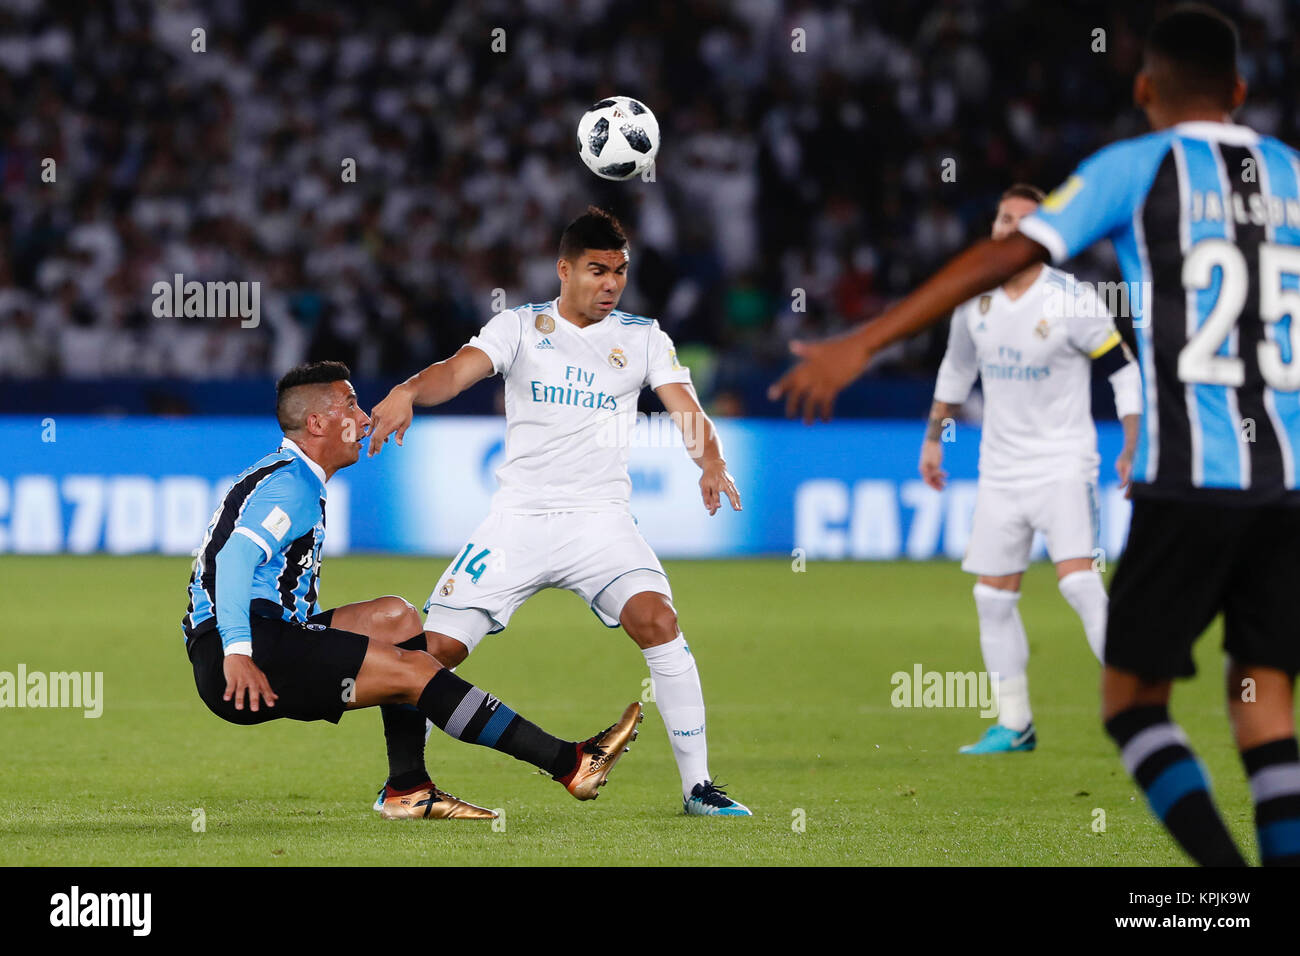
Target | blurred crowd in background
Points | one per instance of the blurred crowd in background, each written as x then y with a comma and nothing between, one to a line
803,148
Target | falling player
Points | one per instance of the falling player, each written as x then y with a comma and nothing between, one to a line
573,368
262,648
1031,342
1205,218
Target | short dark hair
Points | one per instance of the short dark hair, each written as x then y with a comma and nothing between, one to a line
289,413
1023,191
1197,47
594,229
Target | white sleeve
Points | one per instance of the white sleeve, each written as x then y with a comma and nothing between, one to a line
960,364
1092,331
1127,386
499,339
662,367
1088,324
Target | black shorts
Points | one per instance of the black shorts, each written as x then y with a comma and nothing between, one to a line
311,667
1183,565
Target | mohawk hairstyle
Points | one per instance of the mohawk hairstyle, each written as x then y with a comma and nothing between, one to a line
291,413
594,229
1192,50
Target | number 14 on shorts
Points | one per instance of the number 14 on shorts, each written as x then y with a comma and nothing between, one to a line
477,564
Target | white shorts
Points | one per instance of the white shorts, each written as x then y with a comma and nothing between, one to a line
599,556
1002,534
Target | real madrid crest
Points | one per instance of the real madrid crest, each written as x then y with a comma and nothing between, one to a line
617,359
1042,329
986,303
447,588
545,324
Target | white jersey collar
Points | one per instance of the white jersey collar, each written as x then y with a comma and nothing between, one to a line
554,308
1230,133
1027,294
289,444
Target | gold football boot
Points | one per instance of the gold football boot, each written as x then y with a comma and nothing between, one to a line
430,803
597,755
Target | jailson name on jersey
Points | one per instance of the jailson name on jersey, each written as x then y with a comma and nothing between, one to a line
1254,210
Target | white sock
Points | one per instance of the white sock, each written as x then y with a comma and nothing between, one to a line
676,683
1013,703
1006,652
1087,595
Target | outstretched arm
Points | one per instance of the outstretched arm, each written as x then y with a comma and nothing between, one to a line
702,444
440,382
827,367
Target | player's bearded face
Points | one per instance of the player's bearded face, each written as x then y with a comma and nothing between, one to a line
1010,212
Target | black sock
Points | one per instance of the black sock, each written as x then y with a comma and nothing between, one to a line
1274,771
418,643
461,710
1157,756
404,728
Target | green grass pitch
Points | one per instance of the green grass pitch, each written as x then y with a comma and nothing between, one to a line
796,670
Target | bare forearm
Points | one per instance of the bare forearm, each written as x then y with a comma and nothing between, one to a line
443,381
940,414
983,266
433,386
1131,424
700,436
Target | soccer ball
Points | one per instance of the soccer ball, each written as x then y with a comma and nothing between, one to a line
618,138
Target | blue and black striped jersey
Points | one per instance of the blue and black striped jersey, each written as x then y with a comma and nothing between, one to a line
279,504
1205,220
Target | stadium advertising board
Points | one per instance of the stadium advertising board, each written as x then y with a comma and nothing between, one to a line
849,490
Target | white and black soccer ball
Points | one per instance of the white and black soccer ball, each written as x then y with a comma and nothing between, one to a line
618,138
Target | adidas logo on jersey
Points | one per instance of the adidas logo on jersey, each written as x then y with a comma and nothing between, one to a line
544,344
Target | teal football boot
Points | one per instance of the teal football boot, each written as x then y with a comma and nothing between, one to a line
1003,740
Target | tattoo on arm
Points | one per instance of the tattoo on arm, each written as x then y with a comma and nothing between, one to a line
940,414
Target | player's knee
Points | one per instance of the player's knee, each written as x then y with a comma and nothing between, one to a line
415,670
664,624
994,603
1122,690
448,651
653,623
397,617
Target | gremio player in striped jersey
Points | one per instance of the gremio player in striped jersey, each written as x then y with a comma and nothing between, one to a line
1032,342
1205,219
254,628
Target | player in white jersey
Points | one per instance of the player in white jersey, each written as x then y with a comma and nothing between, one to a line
573,369
1031,342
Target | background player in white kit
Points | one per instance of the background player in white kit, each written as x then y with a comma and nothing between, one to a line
573,369
1031,342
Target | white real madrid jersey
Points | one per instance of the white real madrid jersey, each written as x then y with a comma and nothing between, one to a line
571,396
1033,357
